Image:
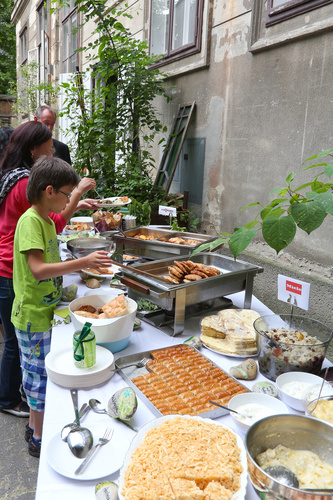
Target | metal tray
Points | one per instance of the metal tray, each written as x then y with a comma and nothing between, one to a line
129,373
235,276
157,248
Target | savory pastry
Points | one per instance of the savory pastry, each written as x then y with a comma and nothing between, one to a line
116,307
86,314
230,331
87,308
186,271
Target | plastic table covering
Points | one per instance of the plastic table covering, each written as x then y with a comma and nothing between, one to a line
59,407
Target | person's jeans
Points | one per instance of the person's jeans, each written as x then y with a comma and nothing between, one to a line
10,370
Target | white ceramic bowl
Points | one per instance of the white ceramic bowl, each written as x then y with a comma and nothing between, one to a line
270,406
303,382
113,333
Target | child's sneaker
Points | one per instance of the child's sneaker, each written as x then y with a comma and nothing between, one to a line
28,433
34,448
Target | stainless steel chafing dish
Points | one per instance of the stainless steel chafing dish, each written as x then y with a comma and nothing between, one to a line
235,276
159,247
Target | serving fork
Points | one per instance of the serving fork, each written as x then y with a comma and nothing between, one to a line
101,442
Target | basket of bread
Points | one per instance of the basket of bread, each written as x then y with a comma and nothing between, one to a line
111,316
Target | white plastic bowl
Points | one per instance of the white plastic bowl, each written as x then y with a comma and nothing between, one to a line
297,402
88,220
113,333
272,405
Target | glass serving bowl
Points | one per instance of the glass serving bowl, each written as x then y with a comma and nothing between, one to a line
290,343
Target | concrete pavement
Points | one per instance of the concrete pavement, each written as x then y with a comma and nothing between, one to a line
18,470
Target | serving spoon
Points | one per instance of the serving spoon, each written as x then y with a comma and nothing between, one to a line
97,407
69,427
226,408
80,439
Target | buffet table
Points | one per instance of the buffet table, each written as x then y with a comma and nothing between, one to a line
59,408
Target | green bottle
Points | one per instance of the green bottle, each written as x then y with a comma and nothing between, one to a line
84,346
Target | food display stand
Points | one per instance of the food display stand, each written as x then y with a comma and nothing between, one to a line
52,485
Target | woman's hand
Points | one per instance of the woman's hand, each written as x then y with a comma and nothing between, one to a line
86,204
85,185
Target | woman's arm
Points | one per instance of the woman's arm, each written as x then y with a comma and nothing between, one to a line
85,185
43,270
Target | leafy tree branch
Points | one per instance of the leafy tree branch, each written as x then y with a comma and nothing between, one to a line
304,207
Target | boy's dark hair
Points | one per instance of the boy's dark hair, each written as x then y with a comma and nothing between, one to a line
49,172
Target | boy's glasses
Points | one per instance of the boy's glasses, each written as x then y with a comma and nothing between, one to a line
62,192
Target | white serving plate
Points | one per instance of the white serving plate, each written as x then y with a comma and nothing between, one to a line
228,354
107,459
62,371
113,201
105,291
139,437
115,269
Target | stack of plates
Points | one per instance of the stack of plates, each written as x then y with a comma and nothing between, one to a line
61,369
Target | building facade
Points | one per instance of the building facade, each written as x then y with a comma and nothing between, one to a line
259,73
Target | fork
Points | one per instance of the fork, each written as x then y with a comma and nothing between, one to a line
101,442
138,364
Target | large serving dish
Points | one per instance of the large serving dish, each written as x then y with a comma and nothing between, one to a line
81,247
235,276
289,343
193,378
111,333
153,243
139,438
295,432
60,368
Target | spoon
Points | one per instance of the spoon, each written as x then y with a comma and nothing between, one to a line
80,439
69,427
226,408
97,407
321,388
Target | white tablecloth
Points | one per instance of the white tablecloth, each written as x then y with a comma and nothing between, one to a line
59,407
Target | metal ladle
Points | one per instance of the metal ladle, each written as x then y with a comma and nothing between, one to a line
97,407
287,477
283,475
80,439
69,427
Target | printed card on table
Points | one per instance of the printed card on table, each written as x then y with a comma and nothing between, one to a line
294,292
